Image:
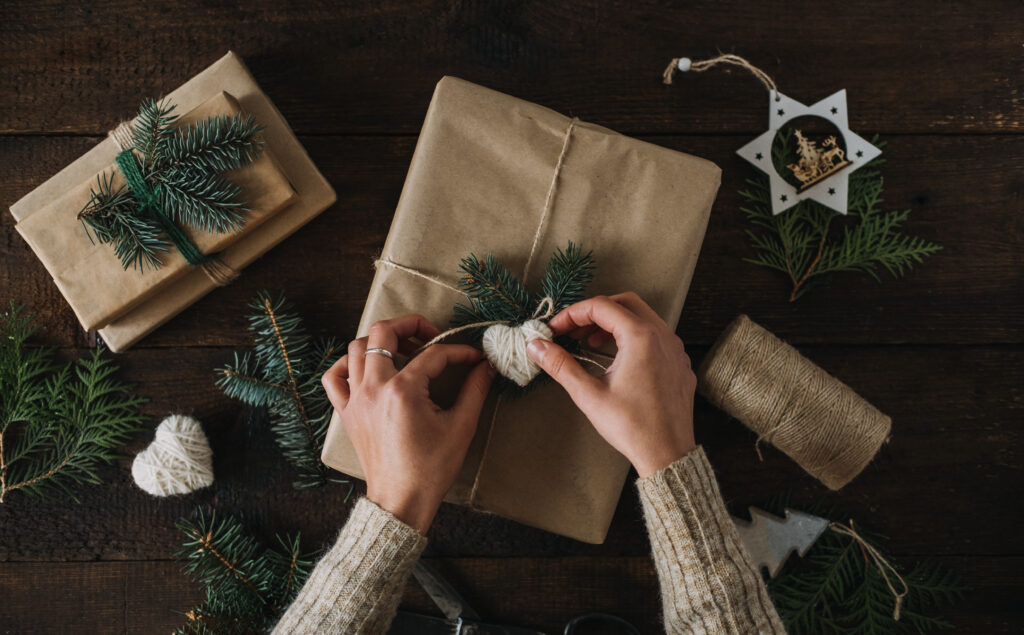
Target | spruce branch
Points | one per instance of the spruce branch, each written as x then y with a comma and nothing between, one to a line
494,293
113,217
809,241
282,373
248,585
569,273
185,168
152,128
58,422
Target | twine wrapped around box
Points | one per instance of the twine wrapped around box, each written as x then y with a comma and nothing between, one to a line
791,403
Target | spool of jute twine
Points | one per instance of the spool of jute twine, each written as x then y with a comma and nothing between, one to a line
791,403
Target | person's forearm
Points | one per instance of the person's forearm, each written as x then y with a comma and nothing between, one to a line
708,583
358,584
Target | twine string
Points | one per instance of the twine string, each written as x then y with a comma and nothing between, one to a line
791,403
685,64
148,197
884,566
549,199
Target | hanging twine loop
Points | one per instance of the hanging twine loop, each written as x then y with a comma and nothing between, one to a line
685,64
148,197
884,566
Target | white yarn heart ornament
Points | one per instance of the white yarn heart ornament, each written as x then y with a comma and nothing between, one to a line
178,461
505,348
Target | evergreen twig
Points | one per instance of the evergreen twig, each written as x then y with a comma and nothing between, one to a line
248,585
282,373
58,422
809,240
836,588
185,168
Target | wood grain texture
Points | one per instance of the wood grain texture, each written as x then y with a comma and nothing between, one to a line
954,440
970,292
371,66
941,351
545,593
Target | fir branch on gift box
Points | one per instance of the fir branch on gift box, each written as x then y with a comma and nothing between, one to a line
837,588
495,294
248,585
180,177
58,422
282,373
810,241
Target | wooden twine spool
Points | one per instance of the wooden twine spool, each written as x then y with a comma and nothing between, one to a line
790,402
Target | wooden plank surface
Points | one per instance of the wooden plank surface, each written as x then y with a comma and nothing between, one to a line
370,66
151,596
942,351
971,292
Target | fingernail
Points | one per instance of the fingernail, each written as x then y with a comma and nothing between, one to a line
491,370
535,348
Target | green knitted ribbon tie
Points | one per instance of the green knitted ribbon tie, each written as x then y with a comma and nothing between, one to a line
149,199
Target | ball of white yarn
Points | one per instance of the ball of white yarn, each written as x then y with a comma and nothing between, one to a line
505,347
178,461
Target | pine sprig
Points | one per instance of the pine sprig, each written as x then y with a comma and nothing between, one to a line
495,294
185,167
809,241
836,588
152,128
282,373
216,144
248,585
567,277
113,217
58,422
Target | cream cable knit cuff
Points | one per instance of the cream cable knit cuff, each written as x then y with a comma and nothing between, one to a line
708,583
358,584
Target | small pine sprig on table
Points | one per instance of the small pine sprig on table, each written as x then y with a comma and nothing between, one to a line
58,422
837,588
184,166
805,243
248,585
282,373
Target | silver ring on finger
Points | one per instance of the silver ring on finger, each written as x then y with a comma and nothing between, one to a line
380,351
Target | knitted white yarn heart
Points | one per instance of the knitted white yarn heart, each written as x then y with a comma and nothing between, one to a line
178,461
505,347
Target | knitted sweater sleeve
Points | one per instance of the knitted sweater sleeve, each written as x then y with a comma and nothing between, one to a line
358,584
708,582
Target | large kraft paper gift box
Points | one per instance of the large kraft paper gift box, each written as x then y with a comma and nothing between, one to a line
282,188
495,174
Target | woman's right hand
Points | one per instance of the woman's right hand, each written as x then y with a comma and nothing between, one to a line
643,405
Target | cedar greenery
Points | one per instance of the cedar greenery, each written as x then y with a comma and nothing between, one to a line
184,166
837,589
58,422
282,373
805,242
248,585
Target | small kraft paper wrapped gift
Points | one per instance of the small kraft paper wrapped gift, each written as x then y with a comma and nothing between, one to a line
282,190
493,174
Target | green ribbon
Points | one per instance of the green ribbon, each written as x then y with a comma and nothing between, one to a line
149,198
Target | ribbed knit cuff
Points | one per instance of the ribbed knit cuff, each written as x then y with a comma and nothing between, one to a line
357,585
708,582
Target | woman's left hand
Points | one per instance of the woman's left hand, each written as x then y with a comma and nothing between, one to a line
410,449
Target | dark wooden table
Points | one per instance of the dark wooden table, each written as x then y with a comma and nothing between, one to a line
941,351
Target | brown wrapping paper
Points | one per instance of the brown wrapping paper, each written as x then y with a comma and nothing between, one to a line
89,274
481,178
312,195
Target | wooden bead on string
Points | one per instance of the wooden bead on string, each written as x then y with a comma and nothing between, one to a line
791,403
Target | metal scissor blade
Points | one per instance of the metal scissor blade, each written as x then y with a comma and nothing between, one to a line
406,623
444,596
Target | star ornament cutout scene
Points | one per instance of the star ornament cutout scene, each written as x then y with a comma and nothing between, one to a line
831,189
